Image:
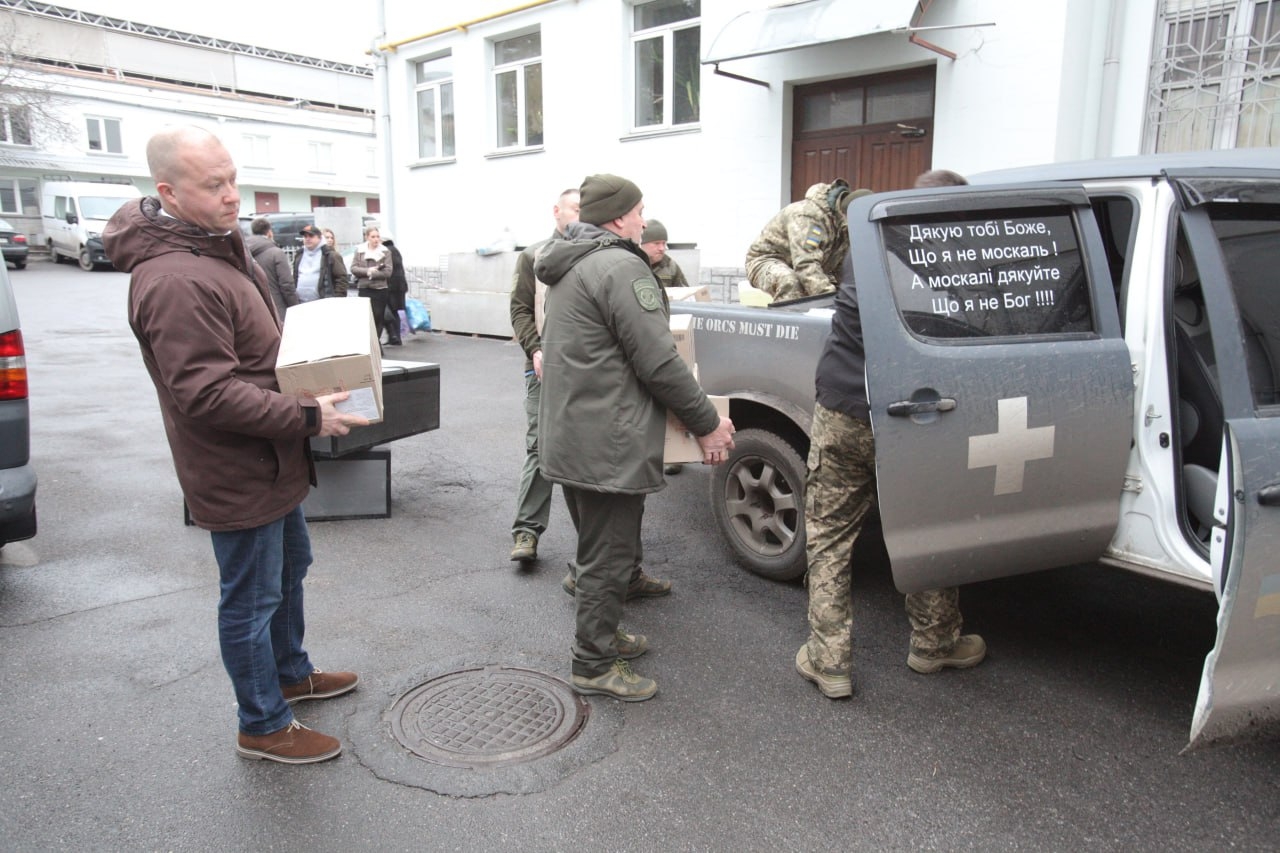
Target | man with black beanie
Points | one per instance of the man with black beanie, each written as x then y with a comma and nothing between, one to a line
610,373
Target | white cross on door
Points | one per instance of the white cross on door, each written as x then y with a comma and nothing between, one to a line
1011,446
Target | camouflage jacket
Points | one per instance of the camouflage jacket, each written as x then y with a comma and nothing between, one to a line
809,237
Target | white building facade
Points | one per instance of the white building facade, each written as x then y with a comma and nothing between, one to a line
723,111
301,130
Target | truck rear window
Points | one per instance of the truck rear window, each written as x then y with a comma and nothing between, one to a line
1005,273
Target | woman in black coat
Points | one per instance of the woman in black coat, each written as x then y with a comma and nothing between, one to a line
397,289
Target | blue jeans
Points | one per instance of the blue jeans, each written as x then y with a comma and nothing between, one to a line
260,624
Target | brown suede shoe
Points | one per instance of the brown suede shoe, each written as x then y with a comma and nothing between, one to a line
320,685
294,744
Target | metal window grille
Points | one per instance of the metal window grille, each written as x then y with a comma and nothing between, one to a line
1215,76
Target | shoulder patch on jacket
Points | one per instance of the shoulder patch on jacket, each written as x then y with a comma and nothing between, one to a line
815,236
647,293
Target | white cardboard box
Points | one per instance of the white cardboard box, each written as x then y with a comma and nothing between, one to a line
331,345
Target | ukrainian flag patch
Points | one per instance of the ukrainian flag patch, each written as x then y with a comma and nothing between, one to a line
815,236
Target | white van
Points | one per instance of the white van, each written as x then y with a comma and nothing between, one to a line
74,214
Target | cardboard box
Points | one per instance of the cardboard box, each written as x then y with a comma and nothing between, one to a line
689,294
748,295
331,345
681,445
682,334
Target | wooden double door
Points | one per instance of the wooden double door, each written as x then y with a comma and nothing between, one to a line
875,132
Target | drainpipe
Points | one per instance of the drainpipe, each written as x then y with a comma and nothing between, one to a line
1110,81
382,129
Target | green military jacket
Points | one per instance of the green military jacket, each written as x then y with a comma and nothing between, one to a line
523,296
668,273
610,370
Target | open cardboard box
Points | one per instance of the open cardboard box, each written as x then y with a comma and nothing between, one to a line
331,345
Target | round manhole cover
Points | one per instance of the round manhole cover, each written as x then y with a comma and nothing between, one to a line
488,717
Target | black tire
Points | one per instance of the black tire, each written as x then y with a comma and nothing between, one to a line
757,497
19,265
86,261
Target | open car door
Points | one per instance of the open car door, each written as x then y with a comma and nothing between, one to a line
1000,386
1232,226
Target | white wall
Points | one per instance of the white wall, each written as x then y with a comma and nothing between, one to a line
1023,91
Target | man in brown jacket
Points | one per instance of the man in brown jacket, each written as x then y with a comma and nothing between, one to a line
209,334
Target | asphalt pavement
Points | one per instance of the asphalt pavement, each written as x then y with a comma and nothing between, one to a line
118,720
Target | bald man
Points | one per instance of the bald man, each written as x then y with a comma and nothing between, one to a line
209,332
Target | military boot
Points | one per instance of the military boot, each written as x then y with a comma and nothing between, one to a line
644,586
526,548
832,684
968,651
631,646
620,682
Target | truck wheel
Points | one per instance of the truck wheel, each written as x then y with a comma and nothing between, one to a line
86,260
757,497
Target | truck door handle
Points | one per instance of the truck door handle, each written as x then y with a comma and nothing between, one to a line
907,408
1269,495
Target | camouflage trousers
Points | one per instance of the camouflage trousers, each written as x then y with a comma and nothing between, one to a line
840,489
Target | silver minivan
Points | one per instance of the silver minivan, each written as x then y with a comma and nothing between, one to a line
17,477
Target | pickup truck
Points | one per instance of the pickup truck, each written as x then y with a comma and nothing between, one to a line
1065,364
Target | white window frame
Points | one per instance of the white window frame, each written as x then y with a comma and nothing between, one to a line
667,33
257,151
103,123
7,124
1177,95
441,90
519,69
15,186
321,155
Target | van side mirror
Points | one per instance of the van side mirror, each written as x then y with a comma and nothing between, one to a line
72,219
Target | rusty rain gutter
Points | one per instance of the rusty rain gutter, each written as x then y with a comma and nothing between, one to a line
914,30
462,27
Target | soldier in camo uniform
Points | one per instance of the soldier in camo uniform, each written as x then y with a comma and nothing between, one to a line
840,489
801,249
